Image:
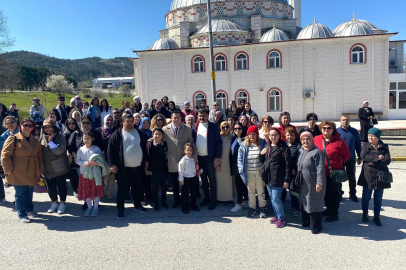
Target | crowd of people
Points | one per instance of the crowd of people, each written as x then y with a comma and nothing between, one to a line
149,150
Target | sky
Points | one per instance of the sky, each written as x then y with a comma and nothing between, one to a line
74,29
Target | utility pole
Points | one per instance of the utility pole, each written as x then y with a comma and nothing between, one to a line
212,72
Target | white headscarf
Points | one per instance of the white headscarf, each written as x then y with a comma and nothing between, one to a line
73,100
105,121
80,118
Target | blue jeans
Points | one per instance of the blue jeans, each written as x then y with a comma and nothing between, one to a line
23,199
276,199
366,197
2,193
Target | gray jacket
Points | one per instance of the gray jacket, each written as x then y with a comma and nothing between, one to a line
311,165
55,160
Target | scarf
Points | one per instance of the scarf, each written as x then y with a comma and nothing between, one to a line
308,134
105,121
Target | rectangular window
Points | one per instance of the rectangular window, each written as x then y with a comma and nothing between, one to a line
218,66
272,104
392,100
272,62
402,85
277,63
239,65
354,58
361,58
392,86
277,103
402,100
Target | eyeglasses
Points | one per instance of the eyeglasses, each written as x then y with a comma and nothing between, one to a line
160,120
327,128
28,126
10,123
215,105
85,123
237,128
71,124
266,122
116,113
225,127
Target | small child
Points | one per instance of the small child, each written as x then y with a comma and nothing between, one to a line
158,167
85,107
14,112
88,190
188,179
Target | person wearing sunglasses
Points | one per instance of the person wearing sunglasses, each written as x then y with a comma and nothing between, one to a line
242,191
117,118
10,122
158,121
21,158
216,108
311,119
79,102
61,110
223,174
338,153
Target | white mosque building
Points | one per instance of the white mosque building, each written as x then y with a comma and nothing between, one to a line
263,54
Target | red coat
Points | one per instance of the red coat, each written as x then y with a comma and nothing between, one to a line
337,151
192,112
282,131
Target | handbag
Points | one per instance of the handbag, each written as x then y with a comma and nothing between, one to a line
295,184
374,121
337,176
385,177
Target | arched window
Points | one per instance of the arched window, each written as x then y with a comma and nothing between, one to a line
241,95
241,62
220,63
274,60
274,101
198,64
197,97
221,98
357,55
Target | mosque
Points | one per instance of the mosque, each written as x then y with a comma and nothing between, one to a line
264,55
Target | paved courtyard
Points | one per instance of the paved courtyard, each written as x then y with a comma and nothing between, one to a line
397,145
215,239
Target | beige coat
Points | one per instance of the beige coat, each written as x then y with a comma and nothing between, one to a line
176,144
24,163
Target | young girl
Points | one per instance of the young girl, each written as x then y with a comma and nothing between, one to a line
88,190
188,179
158,167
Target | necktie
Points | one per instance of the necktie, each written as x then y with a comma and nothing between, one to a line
176,131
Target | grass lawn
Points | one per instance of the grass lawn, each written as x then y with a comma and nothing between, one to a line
23,100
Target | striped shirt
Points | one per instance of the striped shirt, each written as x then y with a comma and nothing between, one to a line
253,162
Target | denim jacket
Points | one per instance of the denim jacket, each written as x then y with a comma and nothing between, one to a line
242,158
91,111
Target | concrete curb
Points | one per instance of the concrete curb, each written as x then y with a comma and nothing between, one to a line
398,158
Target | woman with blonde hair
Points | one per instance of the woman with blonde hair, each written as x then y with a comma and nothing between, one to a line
158,121
267,123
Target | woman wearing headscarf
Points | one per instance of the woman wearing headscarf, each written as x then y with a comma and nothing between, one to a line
145,109
365,115
145,125
136,107
223,175
79,102
37,112
137,119
22,162
376,157
218,118
73,103
106,130
216,108
105,110
187,111
311,176
78,117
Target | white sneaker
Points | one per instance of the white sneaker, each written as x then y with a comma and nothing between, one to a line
61,208
25,220
2,202
32,214
53,208
236,208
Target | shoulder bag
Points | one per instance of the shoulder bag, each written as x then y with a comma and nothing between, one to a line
337,176
385,177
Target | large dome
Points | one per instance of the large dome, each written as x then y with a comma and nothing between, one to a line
354,27
274,35
315,30
187,3
220,26
164,44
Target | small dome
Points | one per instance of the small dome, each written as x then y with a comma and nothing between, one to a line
354,28
164,44
187,3
315,30
220,26
274,35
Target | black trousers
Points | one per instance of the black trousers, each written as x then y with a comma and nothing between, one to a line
175,186
158,182
132,178
73,177
242,191
352,181
332,197
209,174
315,219
57,185
146,188
189,186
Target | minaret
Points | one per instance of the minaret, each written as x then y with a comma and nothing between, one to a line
297,12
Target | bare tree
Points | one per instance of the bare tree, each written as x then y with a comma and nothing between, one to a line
6,42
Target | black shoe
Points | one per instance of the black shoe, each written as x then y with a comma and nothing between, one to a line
212,206
120,214
204,202
221,203
195,208
332,218
84,206
185,212
176,205
156,208
365,218
306,224
326,213
128,198
230,203
316,230
164,206
252,212
377,221
354,198
140,209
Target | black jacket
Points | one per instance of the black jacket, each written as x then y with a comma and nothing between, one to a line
294,153
363,115
369,174
277,166
157,157
136,109
163,111
234,157
76,140
315,132
62,118
115,156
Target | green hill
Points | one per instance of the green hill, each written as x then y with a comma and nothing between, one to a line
81,69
